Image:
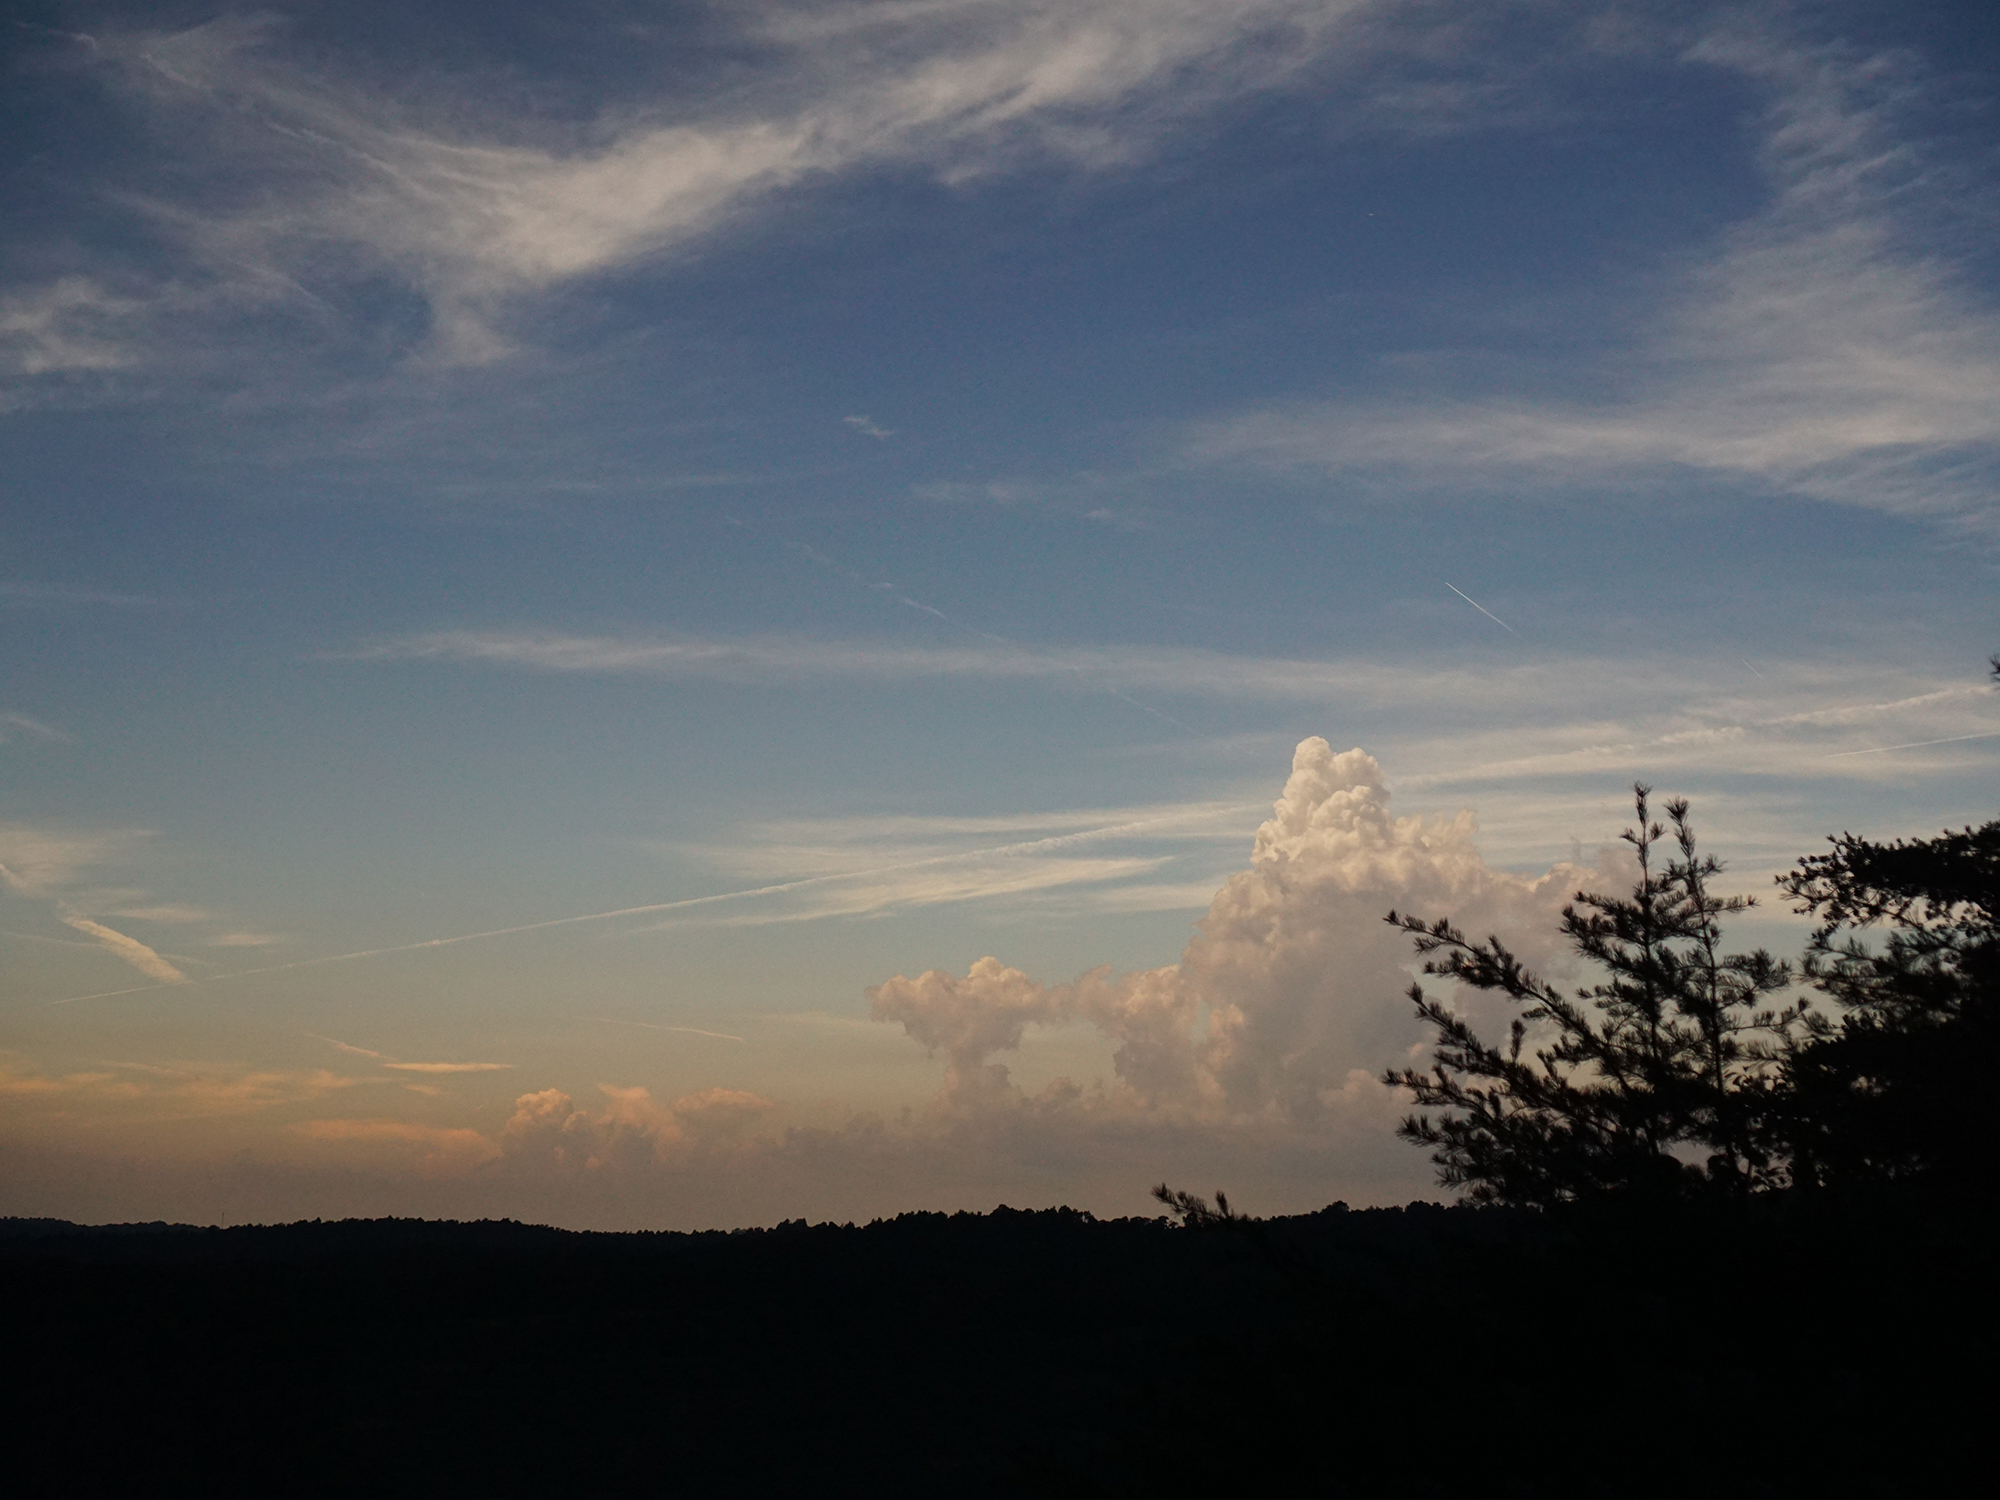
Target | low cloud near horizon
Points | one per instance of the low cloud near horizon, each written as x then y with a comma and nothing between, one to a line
1263,1045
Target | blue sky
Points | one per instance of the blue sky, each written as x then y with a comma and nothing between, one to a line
832,494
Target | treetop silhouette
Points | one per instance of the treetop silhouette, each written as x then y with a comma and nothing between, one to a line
1898,1086
1650,1081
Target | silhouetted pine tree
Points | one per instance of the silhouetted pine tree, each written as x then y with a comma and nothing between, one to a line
1900,1085
1654,1081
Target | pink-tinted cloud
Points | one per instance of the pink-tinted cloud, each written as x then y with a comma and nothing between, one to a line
131,950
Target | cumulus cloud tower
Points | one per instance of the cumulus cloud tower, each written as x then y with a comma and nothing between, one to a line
1289,999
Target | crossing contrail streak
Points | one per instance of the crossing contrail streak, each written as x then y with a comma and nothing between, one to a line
813,554
720,1036
1990,734
1482,609
1029,846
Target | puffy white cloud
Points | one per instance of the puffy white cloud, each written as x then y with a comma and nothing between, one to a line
1293,984
548,1132
969,1019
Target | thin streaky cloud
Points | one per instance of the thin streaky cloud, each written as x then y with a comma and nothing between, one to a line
1481,608
987,636
476,213
1186,672
53,593
347,1047
17,724
1016,879
653,908
37,937
177,912
1823,349
720,1036
922,825
409,1067
1955,739
131,950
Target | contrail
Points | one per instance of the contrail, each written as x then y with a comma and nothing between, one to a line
1029,846
720,1036
1990,734
813,554
1482,609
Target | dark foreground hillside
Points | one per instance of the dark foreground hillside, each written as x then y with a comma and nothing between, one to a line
1835,1349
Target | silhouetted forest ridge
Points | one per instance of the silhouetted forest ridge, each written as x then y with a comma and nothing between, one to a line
1415,1351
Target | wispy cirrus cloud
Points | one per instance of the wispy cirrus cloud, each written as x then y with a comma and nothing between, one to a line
1822,347
172,1091
164,911
43,862
1102,858
21,727
399,1066
70,325
1669,708
245,939
130,949
474,208
788,658
83,875
24,594
427,1149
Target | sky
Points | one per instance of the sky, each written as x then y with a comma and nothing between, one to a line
681,615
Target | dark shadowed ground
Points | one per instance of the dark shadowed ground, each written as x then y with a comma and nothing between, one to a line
1831,1348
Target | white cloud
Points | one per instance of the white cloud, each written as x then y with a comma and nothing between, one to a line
475,213
1536,718
40,862
67,869
1289,999
165,911
70,325
548,1132
860,866
1734,732
131,950
192,1090
15,726
244,940
1815,350
1161,670
429,1150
